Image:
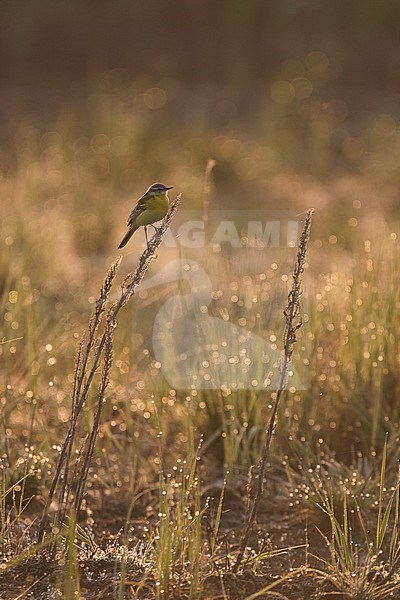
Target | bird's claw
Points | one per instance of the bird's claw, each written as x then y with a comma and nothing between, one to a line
156,229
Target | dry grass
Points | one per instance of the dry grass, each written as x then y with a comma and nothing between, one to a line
155,515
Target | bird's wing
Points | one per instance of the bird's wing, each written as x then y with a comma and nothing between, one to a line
139,208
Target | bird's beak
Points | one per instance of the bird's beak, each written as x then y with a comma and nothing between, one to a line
170,188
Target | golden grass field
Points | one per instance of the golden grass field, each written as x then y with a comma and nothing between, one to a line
165,494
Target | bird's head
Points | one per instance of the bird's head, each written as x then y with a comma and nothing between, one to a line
158,188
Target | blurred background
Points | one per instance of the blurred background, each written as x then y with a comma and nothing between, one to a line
283,95
298,104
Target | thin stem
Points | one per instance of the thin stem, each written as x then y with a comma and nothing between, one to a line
293,323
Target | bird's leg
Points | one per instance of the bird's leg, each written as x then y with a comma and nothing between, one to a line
156,229
145,233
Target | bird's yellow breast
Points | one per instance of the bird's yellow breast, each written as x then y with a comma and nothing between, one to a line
155,210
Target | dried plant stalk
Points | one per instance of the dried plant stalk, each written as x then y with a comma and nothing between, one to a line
88,361
77,397
208,185
105,376
293,324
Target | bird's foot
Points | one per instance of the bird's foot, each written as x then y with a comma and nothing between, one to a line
156,229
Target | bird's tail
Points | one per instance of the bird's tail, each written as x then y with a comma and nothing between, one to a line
127,236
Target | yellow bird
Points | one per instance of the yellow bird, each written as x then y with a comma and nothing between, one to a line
151,207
